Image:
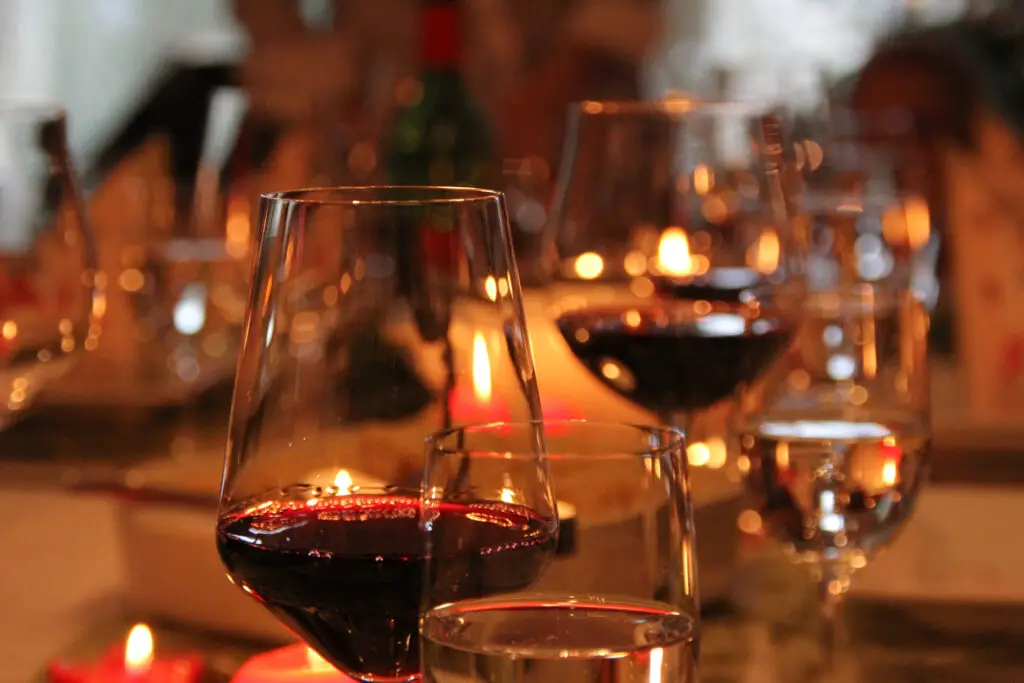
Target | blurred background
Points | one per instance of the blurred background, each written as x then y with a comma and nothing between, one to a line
181,112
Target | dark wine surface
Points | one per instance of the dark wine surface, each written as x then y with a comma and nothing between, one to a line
668,357
346,573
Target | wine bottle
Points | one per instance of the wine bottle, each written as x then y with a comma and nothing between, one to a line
440,136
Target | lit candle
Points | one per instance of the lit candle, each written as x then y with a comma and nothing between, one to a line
132,663
477,402
292,663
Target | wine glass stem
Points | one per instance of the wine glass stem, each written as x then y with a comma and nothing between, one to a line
833,584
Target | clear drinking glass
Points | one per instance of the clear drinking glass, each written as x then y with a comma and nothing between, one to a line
51,297
377,316
836,453
618,598
677,271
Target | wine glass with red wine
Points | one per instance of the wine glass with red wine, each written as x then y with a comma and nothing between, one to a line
616,602
378,315
677,271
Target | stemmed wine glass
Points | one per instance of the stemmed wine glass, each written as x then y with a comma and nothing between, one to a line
677,269
617,601
835,453
51,296
377,316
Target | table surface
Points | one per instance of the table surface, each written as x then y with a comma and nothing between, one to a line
62,600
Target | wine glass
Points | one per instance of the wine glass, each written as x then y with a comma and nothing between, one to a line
51,297
616,601
377,316
677,269
835,455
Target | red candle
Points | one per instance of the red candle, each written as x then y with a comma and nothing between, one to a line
290,664
132,663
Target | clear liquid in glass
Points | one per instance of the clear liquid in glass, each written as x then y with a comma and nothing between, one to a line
834,490
537,639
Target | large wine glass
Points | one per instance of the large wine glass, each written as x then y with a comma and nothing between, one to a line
677,270
617,602
51,296
377,316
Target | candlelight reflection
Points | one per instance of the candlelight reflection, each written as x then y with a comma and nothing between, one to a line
481,369
343,483
764,253
589,266
674,253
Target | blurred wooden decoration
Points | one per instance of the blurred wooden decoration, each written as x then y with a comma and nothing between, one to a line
961,84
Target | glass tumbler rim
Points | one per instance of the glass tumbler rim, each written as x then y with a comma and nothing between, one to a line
674,440
384,195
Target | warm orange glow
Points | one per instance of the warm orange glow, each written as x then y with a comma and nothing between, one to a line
717,453
491,288
9,330
703,180
316,662
343,482
918,222
889,472
481,369
236,228
698,454
674,253
589,266
782,455
138,651
764,254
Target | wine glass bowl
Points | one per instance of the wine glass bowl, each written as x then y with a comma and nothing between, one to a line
377,316
617,597
839,450
678,271
51,299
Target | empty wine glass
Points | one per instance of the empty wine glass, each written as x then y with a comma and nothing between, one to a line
51,297
377,316
617,601
836,454
677,270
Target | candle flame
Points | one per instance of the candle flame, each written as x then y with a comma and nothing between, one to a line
138,651
343,482
481,369
674,253
315,661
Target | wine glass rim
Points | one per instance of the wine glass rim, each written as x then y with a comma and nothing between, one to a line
682,106
384,195
30,108
674,440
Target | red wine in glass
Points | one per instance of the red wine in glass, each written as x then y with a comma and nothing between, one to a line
676,356
346,572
